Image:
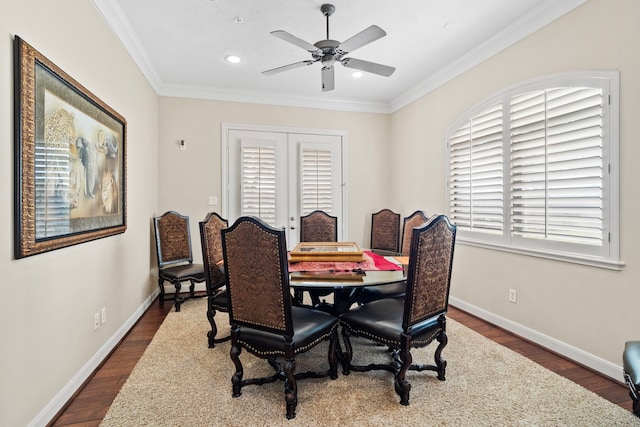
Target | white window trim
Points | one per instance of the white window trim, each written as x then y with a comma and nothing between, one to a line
612,197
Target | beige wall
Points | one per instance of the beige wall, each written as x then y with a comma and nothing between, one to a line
394,161
591,309
48,300
187,178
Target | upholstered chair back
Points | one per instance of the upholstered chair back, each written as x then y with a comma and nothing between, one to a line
211,238
414,220
385,231
429,275
318,226
255,259
173,238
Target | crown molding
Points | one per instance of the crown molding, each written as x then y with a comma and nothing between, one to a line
254,97
115,17
544,14
538,18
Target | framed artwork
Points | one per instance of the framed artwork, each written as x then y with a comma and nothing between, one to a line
326,251
70,159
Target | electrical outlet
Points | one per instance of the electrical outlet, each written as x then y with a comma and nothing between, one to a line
96,321
513,295
103,315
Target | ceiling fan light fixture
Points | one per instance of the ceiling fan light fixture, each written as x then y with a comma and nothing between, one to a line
357,74
233,59
328,52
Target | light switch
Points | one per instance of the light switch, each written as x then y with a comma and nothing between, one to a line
183,144
213,200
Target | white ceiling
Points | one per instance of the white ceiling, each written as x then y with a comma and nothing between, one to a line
180,45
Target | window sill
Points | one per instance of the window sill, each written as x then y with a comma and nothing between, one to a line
557,256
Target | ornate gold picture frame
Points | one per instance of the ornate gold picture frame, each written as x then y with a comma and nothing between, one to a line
326,251
70,159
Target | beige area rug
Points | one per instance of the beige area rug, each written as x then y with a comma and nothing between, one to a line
179,381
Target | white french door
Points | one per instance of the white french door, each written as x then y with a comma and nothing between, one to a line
279,175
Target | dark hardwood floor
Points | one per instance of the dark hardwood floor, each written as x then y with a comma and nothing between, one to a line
91,403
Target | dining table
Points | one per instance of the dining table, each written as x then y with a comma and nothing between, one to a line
345,285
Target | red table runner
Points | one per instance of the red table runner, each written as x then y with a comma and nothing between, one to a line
372,262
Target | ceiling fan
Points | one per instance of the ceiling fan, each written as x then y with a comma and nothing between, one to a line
330,51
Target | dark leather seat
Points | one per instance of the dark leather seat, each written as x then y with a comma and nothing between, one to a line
374,293
175,258
631,366
416,320
217,298
309,326
263,320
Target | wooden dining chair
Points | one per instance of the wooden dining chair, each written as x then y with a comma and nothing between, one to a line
217,297
414,220
317,226
416,320
175,257
263,320
395,290
385,232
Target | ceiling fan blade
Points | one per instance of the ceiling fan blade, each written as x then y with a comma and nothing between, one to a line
288,37
288,67
328,78
364,37
369,67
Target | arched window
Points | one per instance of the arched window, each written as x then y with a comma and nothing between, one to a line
534,169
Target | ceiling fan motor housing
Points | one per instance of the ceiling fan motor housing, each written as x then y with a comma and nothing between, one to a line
327,51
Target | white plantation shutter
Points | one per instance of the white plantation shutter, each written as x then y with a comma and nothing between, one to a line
258,181
476,173
557,165
316,179
534,170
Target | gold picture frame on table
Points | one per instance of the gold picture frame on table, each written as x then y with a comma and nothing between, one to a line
326,251
70,159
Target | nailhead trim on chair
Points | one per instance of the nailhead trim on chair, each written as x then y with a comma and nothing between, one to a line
296,351
415,343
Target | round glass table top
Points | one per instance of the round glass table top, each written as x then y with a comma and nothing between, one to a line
344,279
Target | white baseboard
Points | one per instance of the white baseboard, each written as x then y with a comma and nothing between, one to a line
63,396
602,366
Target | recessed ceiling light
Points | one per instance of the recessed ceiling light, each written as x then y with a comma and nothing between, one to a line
238,20
232,59
357,74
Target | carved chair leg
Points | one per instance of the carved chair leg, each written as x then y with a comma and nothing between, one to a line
402,386
177,300
236,379
161,285
192,289
211,335
290,388
440,362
